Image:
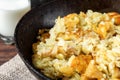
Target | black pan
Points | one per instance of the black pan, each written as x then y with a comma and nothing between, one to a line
44,15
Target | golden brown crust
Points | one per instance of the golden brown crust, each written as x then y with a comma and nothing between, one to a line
81,62
115,16
92,72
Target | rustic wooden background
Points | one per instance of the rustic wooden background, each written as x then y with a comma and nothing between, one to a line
6,52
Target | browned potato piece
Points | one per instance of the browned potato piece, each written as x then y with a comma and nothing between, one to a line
116,75
92,72
115,16
81,62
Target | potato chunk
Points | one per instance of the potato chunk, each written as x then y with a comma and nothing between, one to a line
92,72
81,62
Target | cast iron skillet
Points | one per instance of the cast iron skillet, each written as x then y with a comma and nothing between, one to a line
44,15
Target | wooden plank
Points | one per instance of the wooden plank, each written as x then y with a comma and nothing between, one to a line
6,52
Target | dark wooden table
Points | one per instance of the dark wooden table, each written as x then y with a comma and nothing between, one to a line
6,52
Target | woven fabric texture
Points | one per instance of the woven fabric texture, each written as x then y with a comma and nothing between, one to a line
15,69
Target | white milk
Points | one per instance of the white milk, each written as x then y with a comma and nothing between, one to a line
11,11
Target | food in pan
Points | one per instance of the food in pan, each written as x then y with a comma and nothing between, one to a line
84,46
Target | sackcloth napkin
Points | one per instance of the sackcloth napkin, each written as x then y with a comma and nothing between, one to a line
15,69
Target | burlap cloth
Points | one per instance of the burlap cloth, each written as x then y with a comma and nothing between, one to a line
15,69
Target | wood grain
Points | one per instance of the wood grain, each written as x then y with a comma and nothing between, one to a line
6,52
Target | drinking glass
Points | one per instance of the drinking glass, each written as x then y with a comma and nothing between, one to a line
11,11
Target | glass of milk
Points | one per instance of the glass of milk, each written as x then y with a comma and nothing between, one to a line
11,11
